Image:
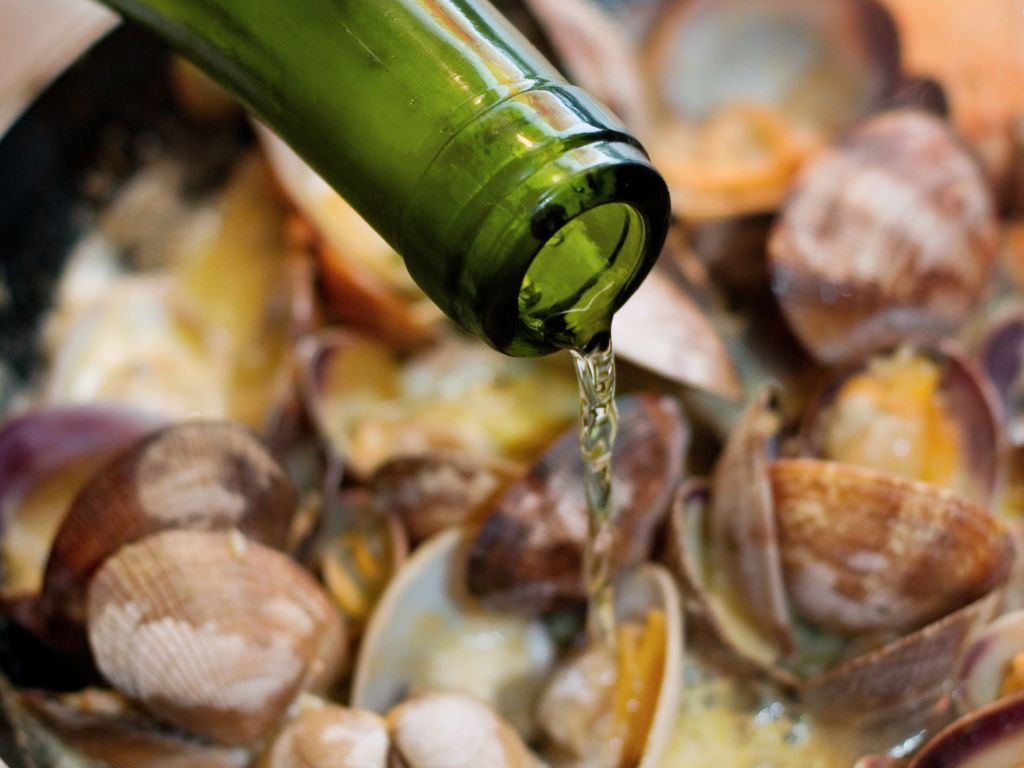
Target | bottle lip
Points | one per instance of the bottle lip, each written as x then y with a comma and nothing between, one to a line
597,173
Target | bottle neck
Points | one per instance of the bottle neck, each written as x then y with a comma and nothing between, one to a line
448,132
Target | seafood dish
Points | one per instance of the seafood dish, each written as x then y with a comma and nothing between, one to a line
262,505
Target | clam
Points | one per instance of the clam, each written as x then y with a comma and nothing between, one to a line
528,554
429,634
325,735
990,737
365,282
435,729
991,668
501,660
928,413
1002,355
978,60
212,632
842,679
865,551
192,475
103,726
750,89
881,581
889,235
359,548
431,492
827,63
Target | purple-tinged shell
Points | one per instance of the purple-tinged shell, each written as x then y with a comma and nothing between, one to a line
990,737
987,661
1002,356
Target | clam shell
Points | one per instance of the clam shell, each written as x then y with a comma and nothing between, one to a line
986,662
104,727
193,475
864,551
910,672
429,592
428,599
971,400
431,492
720,619
1002,356
365,283
743,537
890,234
529,552
359,549
991,737
455,731
211,632
324,735
687,349
825,63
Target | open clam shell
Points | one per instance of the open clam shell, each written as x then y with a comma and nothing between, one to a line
963,396
750,89
102,726
864,550
826,63
991,737
687,349
427,599
200,475
891,234
212,632
986,663
429,593
528,554
911,672
743,536
365,282
324,735
722,616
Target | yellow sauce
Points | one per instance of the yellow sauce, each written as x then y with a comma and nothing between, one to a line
719,725
893,417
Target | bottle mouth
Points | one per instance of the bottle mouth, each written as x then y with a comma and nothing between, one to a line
572,286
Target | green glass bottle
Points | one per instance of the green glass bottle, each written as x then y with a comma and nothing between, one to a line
520,205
